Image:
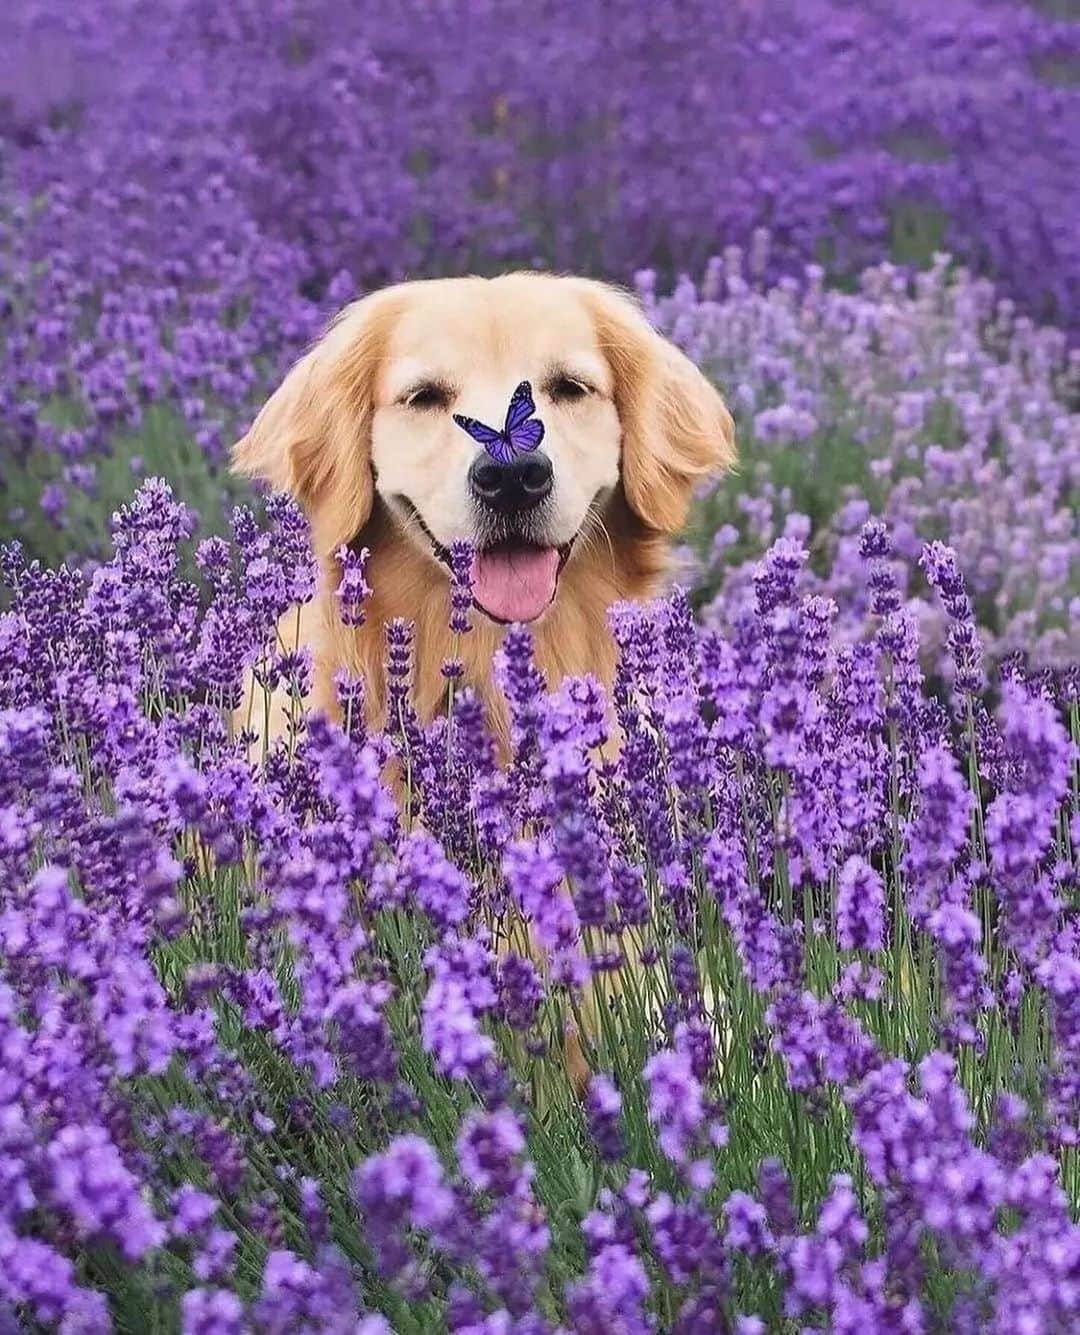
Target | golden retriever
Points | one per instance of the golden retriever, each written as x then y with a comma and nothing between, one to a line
362,432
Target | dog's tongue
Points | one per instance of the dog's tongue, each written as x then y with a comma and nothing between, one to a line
515,583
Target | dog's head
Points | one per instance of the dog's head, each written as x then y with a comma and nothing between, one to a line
370,412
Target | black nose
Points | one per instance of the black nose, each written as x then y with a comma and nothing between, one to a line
511,488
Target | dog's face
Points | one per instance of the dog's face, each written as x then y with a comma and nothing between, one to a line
371,411
461,350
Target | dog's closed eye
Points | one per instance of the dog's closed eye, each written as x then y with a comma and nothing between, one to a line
565,388
428,394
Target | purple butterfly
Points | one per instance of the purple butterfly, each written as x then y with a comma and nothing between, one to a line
518,436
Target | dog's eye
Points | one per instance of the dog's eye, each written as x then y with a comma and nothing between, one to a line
565,387
427,396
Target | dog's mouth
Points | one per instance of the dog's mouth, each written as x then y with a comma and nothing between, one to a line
513,579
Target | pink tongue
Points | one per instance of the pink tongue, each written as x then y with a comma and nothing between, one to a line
515,584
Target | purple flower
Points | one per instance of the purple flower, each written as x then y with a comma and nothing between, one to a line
687,1242
297,1295
34,1274
435,884
611,1296
755,930
860,907
192,1211
939,563
603,1110
534,880
313,1212
678,1110
747,1225
353,588
216,1259
875,547
212,1312
776,577
91,1185
461,992
489,1147
521,991
401,1188
934,839
461,567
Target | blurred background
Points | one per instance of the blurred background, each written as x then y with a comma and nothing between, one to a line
860,218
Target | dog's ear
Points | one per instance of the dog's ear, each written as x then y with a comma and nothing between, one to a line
312,437
676,427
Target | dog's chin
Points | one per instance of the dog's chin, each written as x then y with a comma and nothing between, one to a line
514,578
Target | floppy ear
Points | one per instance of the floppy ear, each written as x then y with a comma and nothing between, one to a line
676,427
312,437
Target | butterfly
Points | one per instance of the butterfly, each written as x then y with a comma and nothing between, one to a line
521,432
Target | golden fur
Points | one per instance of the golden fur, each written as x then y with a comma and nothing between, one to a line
659,419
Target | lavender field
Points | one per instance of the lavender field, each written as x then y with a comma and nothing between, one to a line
281,1053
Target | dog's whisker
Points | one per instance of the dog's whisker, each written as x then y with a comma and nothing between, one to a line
592,526
412,524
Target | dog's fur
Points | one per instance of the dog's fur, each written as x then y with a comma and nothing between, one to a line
372,470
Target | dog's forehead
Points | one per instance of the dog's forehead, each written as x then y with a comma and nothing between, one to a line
458,327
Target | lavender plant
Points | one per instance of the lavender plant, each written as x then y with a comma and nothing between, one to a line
172,233
931,403
281,1052
763,1018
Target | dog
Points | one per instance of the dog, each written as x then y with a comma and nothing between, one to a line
363,432
369,431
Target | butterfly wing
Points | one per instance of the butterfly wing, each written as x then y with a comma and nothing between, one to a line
500,449
522,433
521,407
483,435
528,435
495,442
